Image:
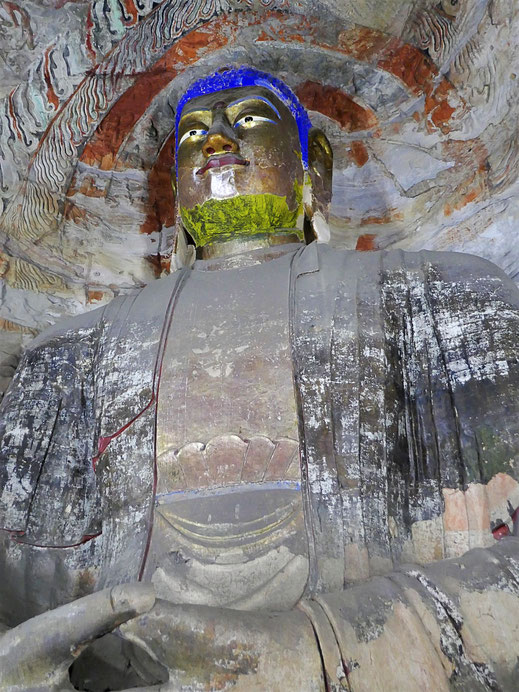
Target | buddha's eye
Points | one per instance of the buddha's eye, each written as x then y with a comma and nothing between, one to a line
251,120
191,133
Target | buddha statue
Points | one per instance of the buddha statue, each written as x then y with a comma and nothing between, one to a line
283,466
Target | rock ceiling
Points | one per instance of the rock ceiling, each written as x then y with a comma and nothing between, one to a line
419,99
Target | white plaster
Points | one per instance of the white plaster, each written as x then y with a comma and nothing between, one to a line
223,184
321,227
411,164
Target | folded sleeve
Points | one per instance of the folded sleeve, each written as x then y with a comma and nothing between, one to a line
452,625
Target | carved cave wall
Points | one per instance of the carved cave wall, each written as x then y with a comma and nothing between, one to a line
418,97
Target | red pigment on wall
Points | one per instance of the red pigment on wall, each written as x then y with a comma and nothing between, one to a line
161,207
366,242
335,104
359,153
51,94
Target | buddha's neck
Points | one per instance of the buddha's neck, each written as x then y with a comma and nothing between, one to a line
237,246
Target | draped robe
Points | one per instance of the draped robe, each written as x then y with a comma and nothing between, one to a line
406,376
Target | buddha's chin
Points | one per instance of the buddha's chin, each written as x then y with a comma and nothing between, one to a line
242,216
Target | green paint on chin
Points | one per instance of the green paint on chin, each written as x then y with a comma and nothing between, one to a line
241,216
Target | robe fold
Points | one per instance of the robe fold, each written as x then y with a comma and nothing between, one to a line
406,378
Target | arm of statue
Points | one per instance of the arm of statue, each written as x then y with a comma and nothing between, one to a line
450,625
207,648
37,654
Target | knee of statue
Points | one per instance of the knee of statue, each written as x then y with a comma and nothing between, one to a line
274,421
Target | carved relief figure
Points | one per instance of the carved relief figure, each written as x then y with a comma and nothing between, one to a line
270,437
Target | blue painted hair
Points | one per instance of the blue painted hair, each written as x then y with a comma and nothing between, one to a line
230,78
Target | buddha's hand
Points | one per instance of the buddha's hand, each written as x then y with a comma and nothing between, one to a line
37,654
207,648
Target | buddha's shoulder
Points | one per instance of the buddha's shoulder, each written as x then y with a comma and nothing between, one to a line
142,308
77,329
459,271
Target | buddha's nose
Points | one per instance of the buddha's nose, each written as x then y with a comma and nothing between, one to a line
219,143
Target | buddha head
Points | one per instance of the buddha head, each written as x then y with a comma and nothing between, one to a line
249,164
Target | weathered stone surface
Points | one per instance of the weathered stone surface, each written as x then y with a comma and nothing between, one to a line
443,627
388,373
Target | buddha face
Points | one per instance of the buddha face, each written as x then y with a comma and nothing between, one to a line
239,141
239,166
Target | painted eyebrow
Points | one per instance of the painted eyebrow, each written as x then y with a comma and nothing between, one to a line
256,98
197,110
234,103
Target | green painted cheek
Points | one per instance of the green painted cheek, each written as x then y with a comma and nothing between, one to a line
245,215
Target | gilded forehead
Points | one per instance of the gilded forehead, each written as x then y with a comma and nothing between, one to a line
232,101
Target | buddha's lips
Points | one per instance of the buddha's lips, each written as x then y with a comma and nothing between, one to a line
224,160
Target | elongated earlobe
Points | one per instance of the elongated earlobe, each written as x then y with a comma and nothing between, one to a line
320,171
183,246
320,158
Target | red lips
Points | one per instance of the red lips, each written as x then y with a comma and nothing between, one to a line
224,160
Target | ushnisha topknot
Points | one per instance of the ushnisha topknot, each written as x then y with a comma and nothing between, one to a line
230,78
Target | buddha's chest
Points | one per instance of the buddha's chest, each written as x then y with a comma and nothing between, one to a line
227,364
228,515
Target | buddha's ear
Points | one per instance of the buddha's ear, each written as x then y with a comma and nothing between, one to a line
183,246
320,160
320,169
